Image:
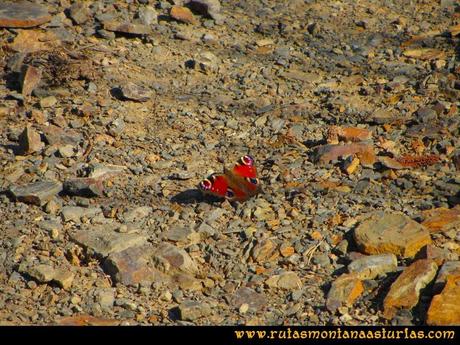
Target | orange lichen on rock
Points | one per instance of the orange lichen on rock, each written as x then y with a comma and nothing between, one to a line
336,133
445,308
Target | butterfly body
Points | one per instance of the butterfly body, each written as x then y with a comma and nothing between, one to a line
237,184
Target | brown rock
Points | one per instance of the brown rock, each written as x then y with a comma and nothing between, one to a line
441,219
186,282
384,232
64,278
183,14
127,28
383,116
424,53
286,281
176,257
57,136
390,163
102,241
264,250
30,79
30,140
84,186
31,41
336,133
344,291
439,255
445,308
86,320
22,14
405,291
130,266
134,92
351,166
327,153
41,273
256,301
37,193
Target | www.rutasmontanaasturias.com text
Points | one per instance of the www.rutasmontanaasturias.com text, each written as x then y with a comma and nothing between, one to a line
338,333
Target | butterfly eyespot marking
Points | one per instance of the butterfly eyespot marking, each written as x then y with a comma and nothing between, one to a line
230,193
247,160
252,180
205,184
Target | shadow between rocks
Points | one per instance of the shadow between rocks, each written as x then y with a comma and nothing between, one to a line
194,196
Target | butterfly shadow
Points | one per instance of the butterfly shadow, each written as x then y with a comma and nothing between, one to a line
193,196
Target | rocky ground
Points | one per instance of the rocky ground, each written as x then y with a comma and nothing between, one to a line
113,111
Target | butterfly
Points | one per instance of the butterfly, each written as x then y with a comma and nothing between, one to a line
238,184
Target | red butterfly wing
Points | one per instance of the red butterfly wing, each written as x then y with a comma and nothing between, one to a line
218,185
237,184
246,173
245,167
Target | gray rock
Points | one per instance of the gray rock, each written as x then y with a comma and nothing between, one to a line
321,259
206,230
369,267
52,227
285,280
448,268
98,170
207,62
41,273
103,241
64,278
256,301
116,127
193,310
426,115
148,15
176,257
37,193
181,234
135,92
207,7
137,214
57,136
105,297
75,213
66,151
79,12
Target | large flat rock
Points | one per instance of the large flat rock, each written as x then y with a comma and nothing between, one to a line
103,241
385,232
22,14
37,193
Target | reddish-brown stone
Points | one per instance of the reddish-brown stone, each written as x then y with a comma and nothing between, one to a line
344,291
182,14
22,14
445,307
405,291
441,219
